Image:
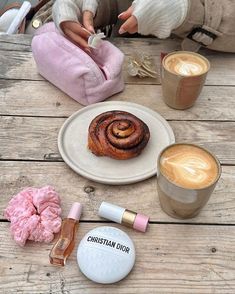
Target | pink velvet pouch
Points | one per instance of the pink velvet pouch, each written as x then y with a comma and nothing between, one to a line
86,78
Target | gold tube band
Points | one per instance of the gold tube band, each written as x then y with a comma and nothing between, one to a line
128,218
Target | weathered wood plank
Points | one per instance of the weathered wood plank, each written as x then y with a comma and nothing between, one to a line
19,140
152,46
18,42
23,43
14,176
40,98
20,64
170,259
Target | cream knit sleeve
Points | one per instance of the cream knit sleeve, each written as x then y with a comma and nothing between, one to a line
71,10
159,17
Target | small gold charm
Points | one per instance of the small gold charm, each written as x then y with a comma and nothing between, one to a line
36,23
142,65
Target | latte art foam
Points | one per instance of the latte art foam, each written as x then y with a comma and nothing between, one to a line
189,166
186,64
188,68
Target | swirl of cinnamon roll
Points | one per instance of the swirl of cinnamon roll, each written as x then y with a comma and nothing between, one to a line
117,134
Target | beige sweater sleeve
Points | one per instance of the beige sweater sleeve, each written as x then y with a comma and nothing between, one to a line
71,10
159,17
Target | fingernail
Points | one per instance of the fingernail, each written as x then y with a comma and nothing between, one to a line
121,31
91,29
86,31
120,15
88,50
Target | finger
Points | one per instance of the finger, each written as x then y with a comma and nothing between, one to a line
88,21
76,28
78,40
126,14
129,26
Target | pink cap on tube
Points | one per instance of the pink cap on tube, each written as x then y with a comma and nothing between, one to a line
141,222
75,211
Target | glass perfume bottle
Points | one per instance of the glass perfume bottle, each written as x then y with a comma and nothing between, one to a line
65,244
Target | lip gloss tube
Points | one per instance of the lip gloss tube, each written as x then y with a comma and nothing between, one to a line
123,216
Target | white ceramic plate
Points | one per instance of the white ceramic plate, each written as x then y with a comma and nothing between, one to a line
73,136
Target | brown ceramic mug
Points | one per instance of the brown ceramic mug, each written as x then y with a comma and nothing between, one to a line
183,76
187,175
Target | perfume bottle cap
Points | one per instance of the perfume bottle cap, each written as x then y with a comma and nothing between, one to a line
75,211
106,255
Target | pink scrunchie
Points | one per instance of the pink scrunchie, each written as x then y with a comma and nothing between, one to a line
34,215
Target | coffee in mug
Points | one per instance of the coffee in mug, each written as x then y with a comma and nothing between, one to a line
187,176
183,76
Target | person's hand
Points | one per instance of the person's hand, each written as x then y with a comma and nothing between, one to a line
130,25
77,33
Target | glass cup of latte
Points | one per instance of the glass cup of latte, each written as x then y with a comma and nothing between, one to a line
187,175
183,76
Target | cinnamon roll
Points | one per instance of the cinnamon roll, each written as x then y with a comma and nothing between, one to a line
117,134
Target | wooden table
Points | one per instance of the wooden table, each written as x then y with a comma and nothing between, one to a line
193,256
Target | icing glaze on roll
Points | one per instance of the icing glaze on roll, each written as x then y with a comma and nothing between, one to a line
189,166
